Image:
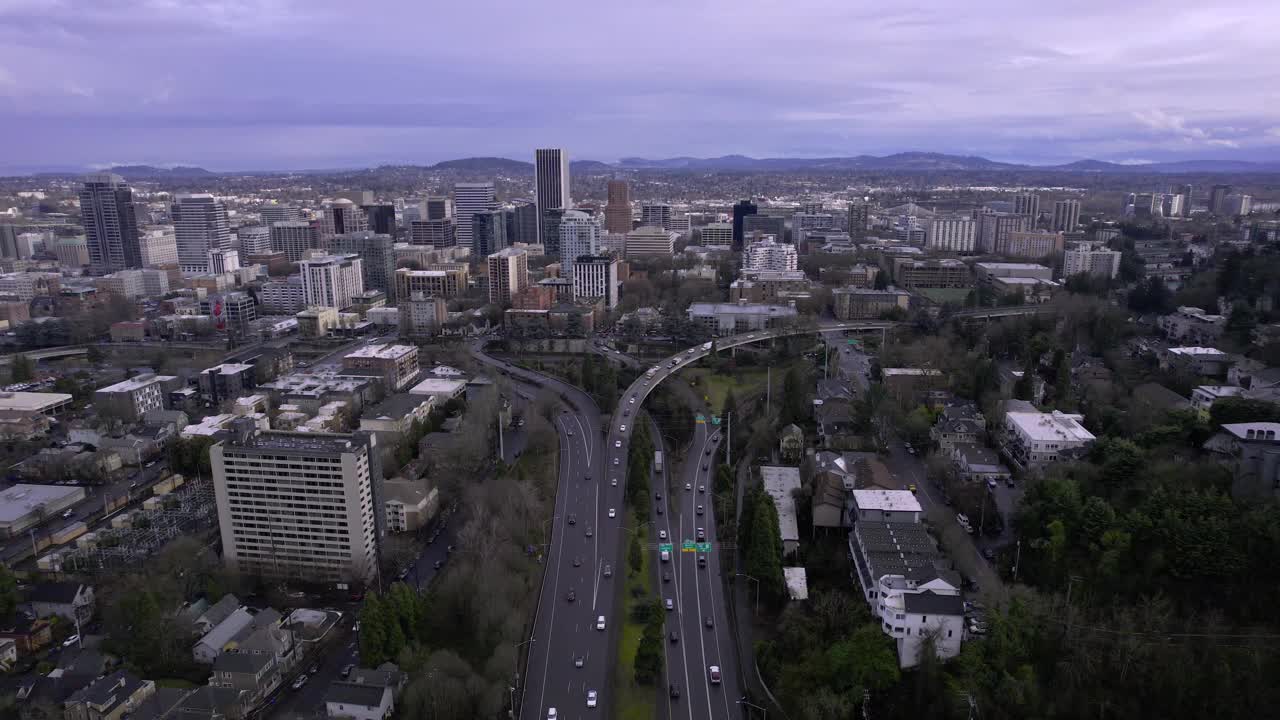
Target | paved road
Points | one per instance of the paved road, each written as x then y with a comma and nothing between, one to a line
576,557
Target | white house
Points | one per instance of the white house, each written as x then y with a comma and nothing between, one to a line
208,648
1036,439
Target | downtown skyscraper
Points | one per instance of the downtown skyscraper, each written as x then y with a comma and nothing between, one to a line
551,188
617,214
469,200
110,223
200,226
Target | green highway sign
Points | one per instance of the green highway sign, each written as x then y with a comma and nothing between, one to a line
704,547
664,547
688,546
699,419
715,419
852,342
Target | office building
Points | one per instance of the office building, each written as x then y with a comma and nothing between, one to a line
341,216
776,287
438,233
283,296
25,286
488,233
1237,204
380,218
859,218
617,214
330,281
469,200
254,240
297,506
397,365
134,284
595,277
766,253
655,215
508,274
423,315
1217,197
854,303
438,207
200,226
988,271
551,190
957,234
73,252
522,223
223,261
158,247
774,225
130,400
732,318
377,259
1171,205
1185,192
549,230
1066,215
110,224
293,238
650,241
1086,258
269,214
1027,204
233,311
946,273
1144,205
446,282
1032,245
579,235
716,235
741,209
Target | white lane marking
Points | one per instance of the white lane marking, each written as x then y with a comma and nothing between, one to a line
595,549
585,442
557,539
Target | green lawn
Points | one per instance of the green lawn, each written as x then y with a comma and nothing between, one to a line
633,701
715,387
175,683
946,295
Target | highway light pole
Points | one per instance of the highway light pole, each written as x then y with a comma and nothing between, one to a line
516,663
743,701
757,582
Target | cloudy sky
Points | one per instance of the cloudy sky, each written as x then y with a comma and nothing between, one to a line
292,84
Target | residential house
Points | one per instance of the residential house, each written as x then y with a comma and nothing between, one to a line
1252,452
366,694
958,423
72,601
8,654
212,643
266,635
975,463
1154,398
213,703
779,482
255,674
791,443
891,506
29,635
109,698
1204,396
1192,325
830,497
1206,361
213,616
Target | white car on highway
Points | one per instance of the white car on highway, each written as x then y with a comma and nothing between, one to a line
591,698
617,443
612,513
600,623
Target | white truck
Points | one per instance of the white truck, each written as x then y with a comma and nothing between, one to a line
665,555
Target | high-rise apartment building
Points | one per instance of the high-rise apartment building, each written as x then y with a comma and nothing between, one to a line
110,223
439,233
595,277
1217,195
716,235
551,189
655,215
994,228
73,252
254,240
1027,204
340,217
650,241
200,226
157,246
579,235
293,238
741,209
488,233
1144,205
1185,191
297,505
769,254
469,200
617,214
1237,204
508,274
957,234
272,213
859,218
1087,258
1032,245
1066,215
377,259
445,280
331,281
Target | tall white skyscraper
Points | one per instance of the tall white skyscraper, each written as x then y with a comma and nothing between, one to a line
254,240
551,183
1066,215
200,226
331,280
951,234
469,200
579,235
508,274
297,505
596,277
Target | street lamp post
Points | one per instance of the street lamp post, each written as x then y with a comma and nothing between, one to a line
743,701
516,676
757,582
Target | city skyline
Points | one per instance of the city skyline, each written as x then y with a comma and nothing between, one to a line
1194,84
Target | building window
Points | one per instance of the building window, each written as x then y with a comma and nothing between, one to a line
924,618
948,633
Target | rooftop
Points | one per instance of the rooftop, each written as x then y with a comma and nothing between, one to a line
359,694
230,368
136,382
385,352
739,309
1050,426
31,401
1254,430
1010,266
20,500
797,583
931,603
779,482
438,386
396,406
910,371
886,500
310,441
1195,351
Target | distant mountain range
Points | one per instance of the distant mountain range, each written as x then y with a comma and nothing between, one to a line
898,162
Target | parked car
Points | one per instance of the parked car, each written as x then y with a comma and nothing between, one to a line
347,670
299,682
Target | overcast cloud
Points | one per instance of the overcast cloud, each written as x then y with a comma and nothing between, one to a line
259,84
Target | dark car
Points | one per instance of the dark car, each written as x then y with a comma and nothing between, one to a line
674,690
573,519
702,561
707,621
571,596
705,465
347,670
659,509
989,554
577,562
438,564
666,576
675,636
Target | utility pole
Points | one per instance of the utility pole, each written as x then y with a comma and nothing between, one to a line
728,439
1017,558
1070,582
768,391
502,453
